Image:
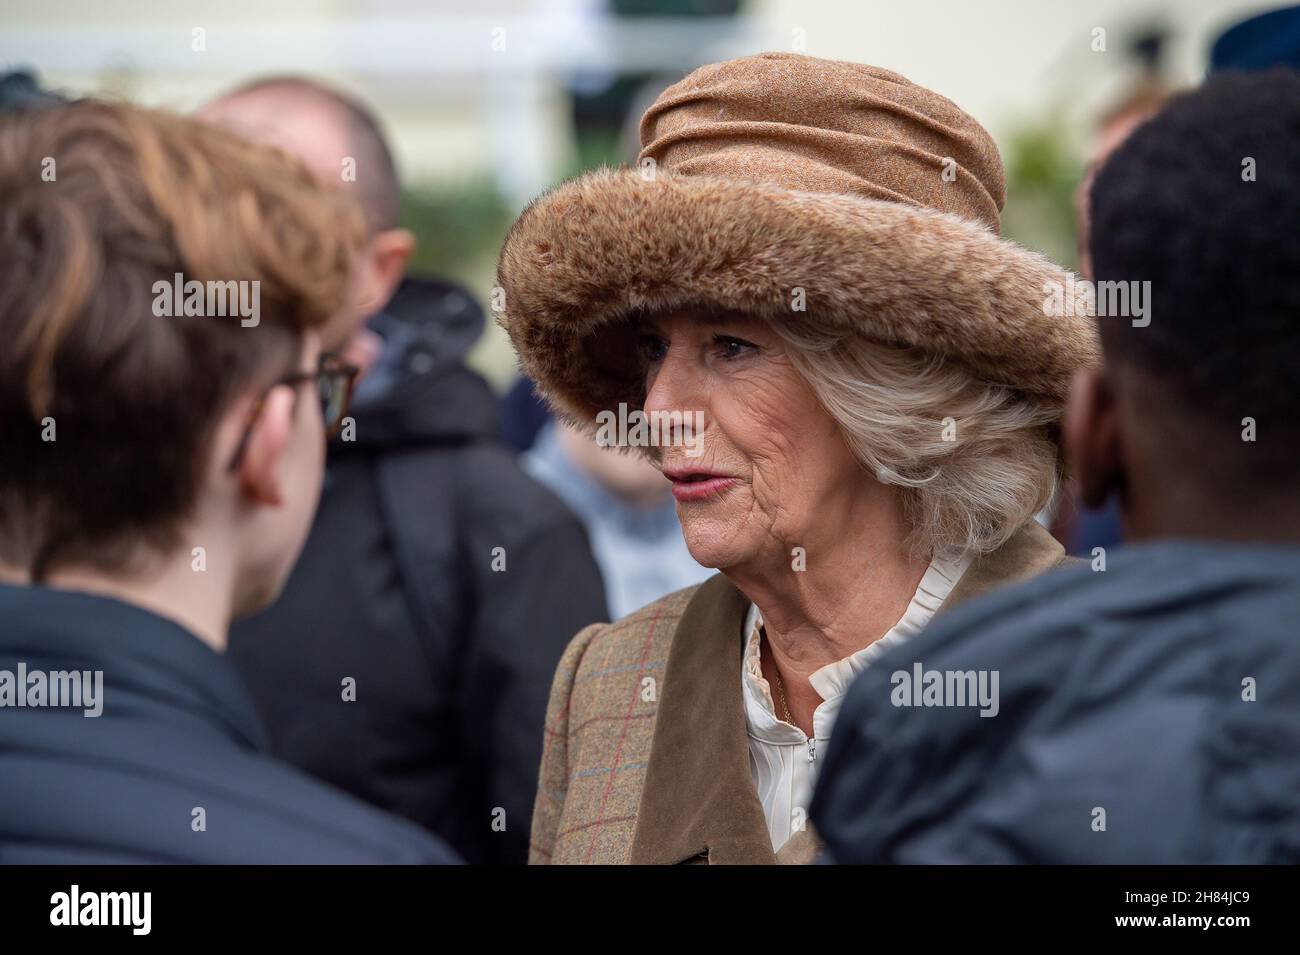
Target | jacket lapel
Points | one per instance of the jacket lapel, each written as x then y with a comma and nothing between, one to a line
698,801
698,796
1030,551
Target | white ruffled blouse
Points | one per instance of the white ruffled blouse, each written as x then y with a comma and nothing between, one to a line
782,760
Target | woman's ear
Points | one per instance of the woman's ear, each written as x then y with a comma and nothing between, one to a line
1091,435
268,441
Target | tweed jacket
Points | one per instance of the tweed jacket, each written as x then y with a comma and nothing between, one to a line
646,757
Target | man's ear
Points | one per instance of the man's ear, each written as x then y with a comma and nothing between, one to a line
387,254
259,468
1091,436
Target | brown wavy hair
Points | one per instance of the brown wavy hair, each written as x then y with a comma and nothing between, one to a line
99,201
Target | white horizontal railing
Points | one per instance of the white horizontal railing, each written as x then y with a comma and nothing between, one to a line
382,45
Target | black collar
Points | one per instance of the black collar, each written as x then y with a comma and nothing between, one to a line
139,652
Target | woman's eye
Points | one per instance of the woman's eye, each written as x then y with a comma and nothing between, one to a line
729,347
654,347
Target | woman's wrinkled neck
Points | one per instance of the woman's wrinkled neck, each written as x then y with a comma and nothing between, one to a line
844,584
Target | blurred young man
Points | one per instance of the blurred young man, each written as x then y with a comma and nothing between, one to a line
1145,709
410,657
165,290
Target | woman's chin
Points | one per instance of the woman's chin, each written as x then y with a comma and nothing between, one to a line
712,546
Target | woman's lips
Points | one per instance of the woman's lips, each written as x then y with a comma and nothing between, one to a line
699,487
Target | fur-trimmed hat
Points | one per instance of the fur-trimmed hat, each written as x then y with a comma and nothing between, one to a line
777,172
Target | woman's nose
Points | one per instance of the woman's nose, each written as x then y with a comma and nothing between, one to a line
673,386
677,399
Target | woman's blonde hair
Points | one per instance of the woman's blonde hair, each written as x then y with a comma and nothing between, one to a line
974,460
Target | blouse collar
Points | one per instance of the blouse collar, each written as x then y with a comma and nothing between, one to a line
833,680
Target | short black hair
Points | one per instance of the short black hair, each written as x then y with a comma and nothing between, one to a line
1203,201
379,193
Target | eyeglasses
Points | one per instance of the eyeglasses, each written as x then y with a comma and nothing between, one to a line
334,380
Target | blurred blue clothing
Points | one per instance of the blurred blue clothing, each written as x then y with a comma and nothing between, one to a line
523,414
176,730
1259,42
641,552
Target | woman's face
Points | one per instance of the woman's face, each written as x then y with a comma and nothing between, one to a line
772,470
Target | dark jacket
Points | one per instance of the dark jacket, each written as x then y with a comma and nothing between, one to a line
396,591
174,768
1125,700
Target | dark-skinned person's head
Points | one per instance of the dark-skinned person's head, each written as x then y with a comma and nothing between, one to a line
163,400
1194,419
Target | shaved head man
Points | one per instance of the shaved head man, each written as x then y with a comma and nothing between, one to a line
341,143
452,661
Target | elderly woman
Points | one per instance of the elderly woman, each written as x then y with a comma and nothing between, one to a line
808,254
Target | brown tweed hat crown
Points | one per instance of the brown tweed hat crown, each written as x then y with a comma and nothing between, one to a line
776,172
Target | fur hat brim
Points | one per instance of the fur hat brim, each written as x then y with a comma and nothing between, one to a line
593,251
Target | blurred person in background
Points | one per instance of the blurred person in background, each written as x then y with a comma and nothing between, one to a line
1149,706
159,476
409,657
878,391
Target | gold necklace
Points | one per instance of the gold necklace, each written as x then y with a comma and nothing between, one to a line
780,684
